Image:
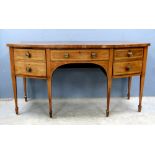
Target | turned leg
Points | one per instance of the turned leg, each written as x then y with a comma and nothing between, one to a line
109,83
14,84
129,86
142,77
25,91
49,95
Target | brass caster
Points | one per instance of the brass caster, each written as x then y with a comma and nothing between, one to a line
139,108
25,97
50,114
16,110
107,113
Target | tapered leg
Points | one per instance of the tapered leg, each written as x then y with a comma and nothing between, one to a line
49,95
25,91
109,83
129,86
142,77
14,84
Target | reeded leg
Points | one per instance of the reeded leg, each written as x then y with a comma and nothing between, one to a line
142,77
14,84
109,83
49,95
25,91
129,86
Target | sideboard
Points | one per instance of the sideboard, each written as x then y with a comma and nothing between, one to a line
40,60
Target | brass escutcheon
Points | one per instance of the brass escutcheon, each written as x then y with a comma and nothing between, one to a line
66,55
130,54
28,69
128,68
28,54
93,55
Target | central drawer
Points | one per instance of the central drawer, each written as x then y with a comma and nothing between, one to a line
68,55
30,68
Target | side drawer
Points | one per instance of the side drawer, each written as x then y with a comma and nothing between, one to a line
69,55
128,53
29,54
30,68
125,68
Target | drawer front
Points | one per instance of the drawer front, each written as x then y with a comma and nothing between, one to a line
128,54
29,54
30,68
92,54
125,68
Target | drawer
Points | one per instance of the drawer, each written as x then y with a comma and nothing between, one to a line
125,68
29,54
30,68
128,53
92,54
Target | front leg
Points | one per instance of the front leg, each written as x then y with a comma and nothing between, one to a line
49,85
142,77
109,83
14,80
14,84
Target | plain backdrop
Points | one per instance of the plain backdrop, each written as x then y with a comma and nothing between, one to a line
75,82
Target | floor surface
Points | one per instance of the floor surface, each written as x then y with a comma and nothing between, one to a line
78,111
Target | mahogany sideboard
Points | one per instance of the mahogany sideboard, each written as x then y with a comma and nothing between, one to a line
40,60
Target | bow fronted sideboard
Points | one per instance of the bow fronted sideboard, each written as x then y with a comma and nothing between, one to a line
40,60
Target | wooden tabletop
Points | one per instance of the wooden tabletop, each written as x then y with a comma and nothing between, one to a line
72,45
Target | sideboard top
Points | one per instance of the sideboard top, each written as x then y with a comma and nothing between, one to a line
70,45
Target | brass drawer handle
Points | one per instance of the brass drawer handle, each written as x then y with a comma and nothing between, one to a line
93,55
28,54
66,55
130,54
128,68
28,69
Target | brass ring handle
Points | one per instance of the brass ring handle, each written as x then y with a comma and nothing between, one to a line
66,55
93,55
28,69
128,68
130,54
27,54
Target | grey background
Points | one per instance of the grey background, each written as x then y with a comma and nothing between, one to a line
75,82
